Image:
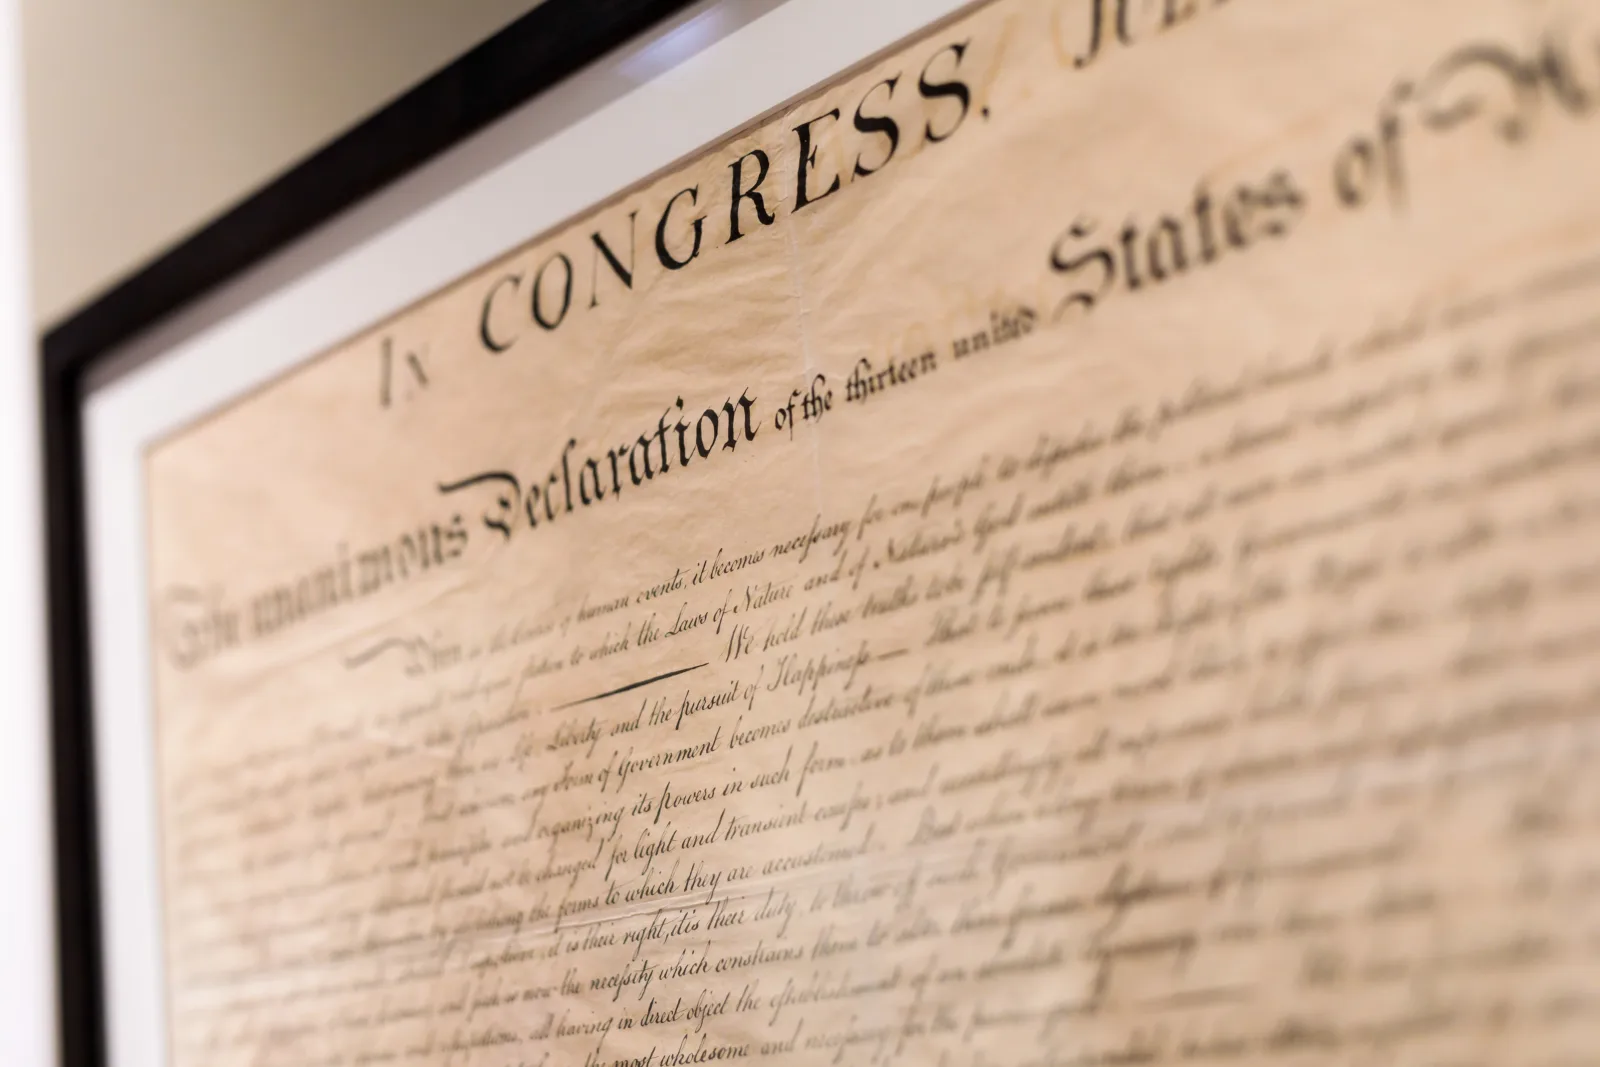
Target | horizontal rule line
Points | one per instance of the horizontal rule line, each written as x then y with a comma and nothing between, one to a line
366,656
630,685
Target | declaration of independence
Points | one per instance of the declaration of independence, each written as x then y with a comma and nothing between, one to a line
1077,543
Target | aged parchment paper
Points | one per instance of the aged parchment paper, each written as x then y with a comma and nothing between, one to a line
1074,544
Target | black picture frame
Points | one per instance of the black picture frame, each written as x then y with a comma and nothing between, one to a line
527,57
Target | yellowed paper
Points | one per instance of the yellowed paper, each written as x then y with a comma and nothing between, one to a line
1076,544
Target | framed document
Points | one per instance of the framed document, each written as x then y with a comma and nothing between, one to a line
1030,532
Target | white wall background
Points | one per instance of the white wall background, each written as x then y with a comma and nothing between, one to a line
27,972
146,118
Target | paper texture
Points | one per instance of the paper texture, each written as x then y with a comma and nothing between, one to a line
1076,544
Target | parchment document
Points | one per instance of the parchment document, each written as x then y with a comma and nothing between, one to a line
1076,543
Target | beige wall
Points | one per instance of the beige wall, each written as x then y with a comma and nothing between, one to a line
148,117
